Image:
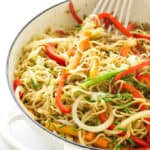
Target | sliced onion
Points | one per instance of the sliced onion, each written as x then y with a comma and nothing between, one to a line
112,132
98,128
138,115
126,122
65,122
17,95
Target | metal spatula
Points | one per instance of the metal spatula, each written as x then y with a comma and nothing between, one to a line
119,8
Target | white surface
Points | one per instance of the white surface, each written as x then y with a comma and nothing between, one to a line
13,16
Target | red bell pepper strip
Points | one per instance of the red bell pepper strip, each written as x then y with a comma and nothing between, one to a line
121,27
106,23
102,117
131,70
59,104
142,36
141,148
148,128
132,89
139,142
144,78
61,32
148,54
17,82
73,13
50,48
137,94
131,26
115,22
139,47
135,52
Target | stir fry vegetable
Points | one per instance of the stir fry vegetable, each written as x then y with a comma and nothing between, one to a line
131,26
142,36
145,78
139,141
103,118
124,51
144,148
76,60
106,23
99,78
121,27
50,48
73,13
132,89
100,142
93,71
60,32
62,108
17,82
115,22
85,44
132,70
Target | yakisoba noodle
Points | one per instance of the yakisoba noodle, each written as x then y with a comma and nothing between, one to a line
93,108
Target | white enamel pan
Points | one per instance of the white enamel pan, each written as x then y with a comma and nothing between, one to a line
56,18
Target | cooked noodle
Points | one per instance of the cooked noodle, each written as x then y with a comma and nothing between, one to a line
40,77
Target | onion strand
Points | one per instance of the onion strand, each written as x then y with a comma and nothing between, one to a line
98,128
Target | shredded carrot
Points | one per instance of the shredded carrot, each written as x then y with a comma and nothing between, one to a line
76,60
124,51
71,52
88,34
89,136
62,129
101,142
85,44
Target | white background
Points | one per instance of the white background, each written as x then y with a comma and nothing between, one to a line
14,14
